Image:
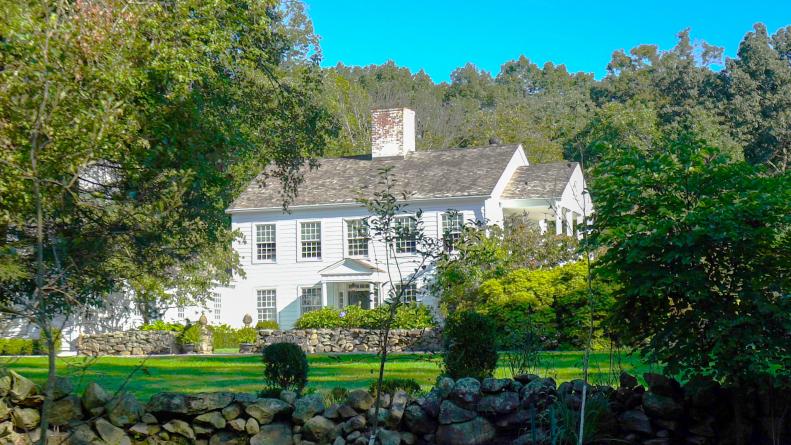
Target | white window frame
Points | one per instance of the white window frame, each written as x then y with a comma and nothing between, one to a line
413,218
314,306
256,242
216,309
442,229
414,293
267,306
300,258
180,312
347,239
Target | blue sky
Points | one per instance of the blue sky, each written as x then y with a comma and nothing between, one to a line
439,36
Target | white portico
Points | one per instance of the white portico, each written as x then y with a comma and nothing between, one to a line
351,281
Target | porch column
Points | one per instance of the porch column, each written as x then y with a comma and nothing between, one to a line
558,220
371,295
570,223
323,294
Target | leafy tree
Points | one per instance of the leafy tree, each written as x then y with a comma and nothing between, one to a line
758,86
125,130
484,253
700,246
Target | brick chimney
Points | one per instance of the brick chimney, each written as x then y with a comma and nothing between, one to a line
392,132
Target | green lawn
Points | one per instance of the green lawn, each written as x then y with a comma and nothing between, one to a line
243,373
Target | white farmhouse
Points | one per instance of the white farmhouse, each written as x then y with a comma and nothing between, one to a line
315,255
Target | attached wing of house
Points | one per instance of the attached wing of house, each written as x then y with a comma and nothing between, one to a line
315,255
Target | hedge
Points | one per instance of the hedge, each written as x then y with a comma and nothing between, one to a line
408,316
26,346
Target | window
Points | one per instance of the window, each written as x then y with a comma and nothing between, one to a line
310,299
410,293
452,224
265,242
406,228
266,304
180,312
217,302
356,238
310,245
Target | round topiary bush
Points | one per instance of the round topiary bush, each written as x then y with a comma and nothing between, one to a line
470,343
286,366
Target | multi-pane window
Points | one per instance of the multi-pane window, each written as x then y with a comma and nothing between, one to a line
406,228
265,242
217,305
357,237
180,312
452,225
266,304
408,292
310,300
310,237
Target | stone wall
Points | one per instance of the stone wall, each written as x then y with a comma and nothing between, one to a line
525,410
128,343
352,340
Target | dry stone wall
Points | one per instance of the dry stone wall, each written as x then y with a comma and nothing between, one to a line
128,343
352,340
461,412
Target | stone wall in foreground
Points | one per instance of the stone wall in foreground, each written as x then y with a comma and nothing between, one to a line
128,343
527,410
352,340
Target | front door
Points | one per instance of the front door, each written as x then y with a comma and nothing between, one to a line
360,298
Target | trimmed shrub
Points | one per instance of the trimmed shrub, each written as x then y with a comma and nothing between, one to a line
190,335
224,336
390,386
247,335
267,324
469,340
160,325
408,316
286,366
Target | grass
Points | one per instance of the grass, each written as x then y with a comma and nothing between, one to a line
196,373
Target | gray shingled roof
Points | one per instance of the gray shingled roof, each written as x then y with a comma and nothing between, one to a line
539,181
425,174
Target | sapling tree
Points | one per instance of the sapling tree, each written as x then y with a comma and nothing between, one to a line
389,226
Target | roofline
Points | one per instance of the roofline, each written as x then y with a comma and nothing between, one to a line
344,204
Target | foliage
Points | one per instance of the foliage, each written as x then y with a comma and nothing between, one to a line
224,336
267,324
191,335
469,341
408,316
247,335
392,385
598,421
523,350
160,325
484,253
700,246
286,366
758,84
16,346
552,300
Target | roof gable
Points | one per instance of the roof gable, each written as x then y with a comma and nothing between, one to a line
537,181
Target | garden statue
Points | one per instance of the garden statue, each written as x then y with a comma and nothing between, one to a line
247,320
205,344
